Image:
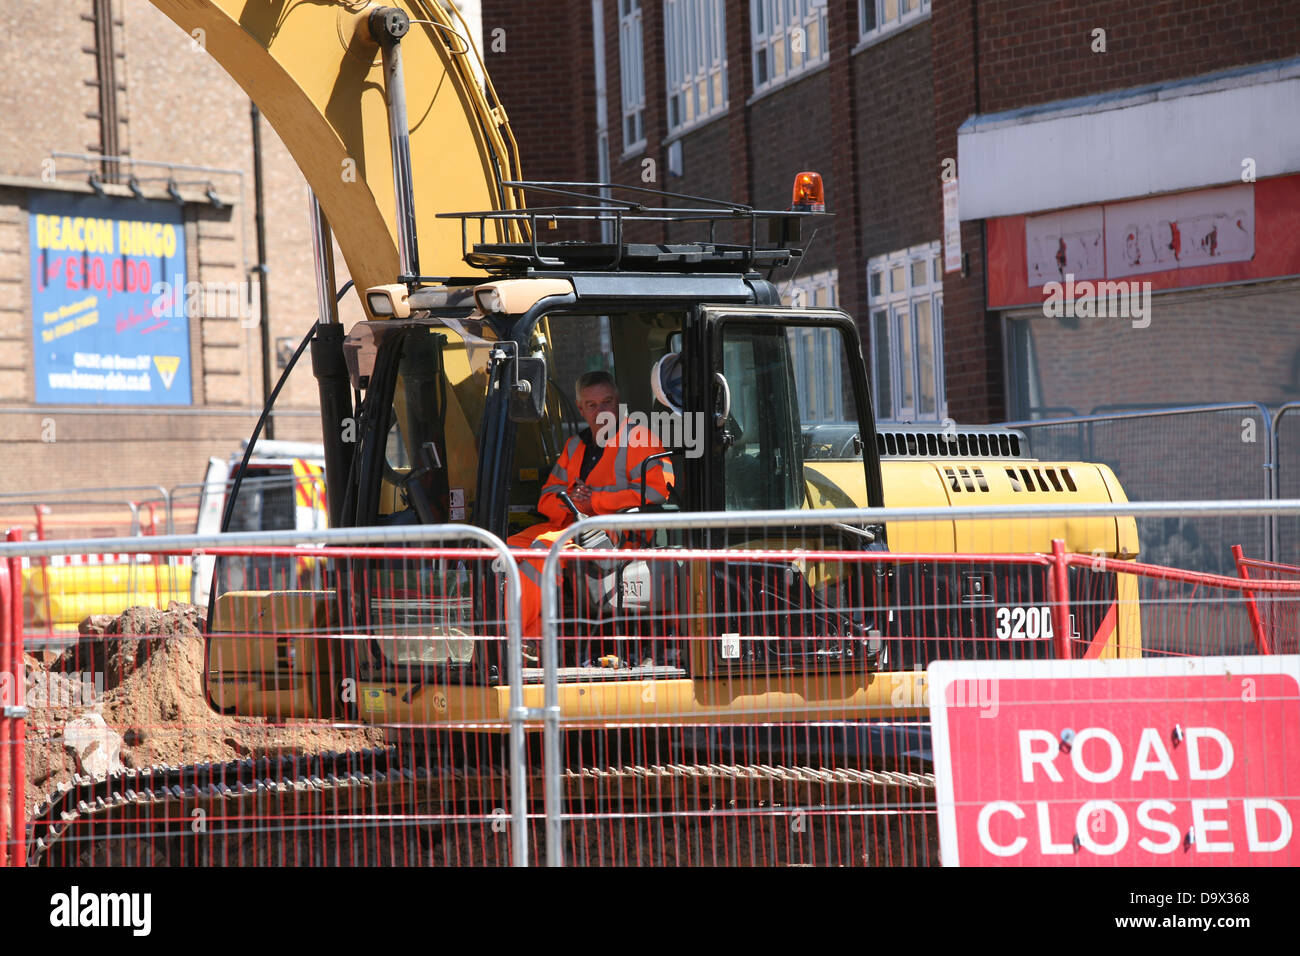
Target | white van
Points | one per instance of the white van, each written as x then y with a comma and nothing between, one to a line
283,489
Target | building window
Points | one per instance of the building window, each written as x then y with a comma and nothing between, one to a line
905,299
821,290
633,73
789,38
824,387
695,55
879,17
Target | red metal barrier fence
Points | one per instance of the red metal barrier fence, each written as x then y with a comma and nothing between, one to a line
1274,617
757,707
363,721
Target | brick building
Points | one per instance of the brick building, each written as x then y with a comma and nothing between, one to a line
1132,146
1019,104
118,78
127,82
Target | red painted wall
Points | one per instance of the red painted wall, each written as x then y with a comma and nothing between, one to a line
1277,251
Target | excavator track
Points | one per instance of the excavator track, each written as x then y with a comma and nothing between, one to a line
367,807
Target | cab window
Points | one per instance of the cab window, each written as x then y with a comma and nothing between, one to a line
761,464
830,435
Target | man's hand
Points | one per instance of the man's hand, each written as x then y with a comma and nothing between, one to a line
581,495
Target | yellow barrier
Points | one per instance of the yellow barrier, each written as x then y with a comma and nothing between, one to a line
61,597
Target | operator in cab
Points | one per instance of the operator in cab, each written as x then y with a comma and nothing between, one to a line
600,469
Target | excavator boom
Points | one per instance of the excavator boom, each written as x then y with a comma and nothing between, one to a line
316,72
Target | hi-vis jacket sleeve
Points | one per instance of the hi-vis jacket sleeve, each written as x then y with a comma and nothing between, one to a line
562,476
639,445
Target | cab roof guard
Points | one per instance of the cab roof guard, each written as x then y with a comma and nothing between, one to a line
706,253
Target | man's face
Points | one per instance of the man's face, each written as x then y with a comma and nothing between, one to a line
595,399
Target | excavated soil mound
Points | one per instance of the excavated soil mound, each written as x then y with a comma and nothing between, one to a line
117,647
142,672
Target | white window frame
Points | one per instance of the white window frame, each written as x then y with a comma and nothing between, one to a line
786,30
631,59
821,290
695,62
904,330
891,16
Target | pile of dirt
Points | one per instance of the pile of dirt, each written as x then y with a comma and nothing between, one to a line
142,672
117,647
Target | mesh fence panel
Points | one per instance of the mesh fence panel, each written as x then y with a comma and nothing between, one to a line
356,718
1216,454
739,696
756,696
1287,476
740,730
1202,454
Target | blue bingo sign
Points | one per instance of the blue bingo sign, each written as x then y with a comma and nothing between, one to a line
109,324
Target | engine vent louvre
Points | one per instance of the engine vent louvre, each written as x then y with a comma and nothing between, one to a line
966,479
1041,479
937,442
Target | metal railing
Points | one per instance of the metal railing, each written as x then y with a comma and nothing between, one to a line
1275,623
1285,543
1195,452
120,512
26,503
774,588
753,522
402,545
169,506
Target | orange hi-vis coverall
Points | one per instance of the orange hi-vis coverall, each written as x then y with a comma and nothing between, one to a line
615,482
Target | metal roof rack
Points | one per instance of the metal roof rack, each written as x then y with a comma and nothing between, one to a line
703,254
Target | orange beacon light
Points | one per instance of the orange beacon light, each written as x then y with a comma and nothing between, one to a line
809,195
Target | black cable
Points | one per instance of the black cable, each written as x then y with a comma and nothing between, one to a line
798,265
229,511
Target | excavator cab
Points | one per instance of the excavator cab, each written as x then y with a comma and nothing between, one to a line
454,427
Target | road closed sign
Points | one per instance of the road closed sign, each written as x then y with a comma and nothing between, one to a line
1159,762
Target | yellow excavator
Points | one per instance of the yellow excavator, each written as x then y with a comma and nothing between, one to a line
487,297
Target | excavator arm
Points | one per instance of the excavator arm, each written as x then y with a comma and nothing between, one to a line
315,71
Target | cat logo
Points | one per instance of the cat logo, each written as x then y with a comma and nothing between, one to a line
167,366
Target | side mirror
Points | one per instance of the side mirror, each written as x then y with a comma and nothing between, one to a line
528,390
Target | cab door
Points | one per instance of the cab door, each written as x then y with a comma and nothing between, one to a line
777,382
767,421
